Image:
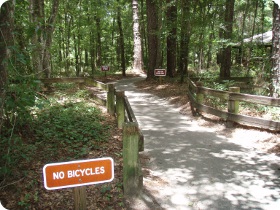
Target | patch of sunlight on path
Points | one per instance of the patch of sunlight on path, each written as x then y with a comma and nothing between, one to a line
195,167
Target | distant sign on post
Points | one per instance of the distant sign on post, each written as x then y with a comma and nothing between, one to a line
105,68
78,173
160,72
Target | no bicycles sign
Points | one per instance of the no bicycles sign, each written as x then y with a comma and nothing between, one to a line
78,173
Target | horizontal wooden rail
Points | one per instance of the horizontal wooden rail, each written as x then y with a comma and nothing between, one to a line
197,93
129,111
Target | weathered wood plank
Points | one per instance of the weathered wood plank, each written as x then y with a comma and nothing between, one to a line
120,108
255,99
129,111
241,119
131,165
216,93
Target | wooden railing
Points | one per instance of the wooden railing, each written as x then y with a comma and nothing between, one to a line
197,94
133,140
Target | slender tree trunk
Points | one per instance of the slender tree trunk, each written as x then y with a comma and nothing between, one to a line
159,60
92,53
185,39
144,36
226,52
36,17
6,40
137,50
41,56
68,21
49,29
171,19
152,29
242,31
98,41
121,40
275,72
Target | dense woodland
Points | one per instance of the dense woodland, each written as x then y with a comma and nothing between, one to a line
68,38
205,39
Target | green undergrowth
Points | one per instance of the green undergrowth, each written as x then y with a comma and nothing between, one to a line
63,126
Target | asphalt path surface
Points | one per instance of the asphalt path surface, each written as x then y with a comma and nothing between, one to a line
189,166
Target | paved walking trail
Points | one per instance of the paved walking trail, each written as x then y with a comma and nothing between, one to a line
189,166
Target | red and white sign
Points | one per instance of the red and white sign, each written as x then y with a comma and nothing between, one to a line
160,72
105,68
78,173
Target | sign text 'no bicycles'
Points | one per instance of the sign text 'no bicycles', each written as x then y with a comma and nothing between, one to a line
78,173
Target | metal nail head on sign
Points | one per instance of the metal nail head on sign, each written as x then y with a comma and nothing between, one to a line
78,173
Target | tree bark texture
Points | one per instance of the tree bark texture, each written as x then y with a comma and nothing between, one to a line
185,39
275,73
6,40
121,39
171,18
152,30
227,34
137,49
42,41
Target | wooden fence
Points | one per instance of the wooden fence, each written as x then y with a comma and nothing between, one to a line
133,140
197,94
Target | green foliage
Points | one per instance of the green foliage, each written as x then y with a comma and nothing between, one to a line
62,124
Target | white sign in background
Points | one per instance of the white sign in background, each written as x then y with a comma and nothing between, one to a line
2,2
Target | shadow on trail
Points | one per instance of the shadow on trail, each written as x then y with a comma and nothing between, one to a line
198,168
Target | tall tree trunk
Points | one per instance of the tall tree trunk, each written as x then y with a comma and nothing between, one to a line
92,53
98,41
144,36
36,17
171,19
41,56
226,52
185,39
137,50
68,19
275,73
159,61
121,39
152,29
6,40
49,29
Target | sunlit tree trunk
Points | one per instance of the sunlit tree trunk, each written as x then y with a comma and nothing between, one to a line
275,73
137,50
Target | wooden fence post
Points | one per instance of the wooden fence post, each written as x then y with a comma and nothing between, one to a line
79,198
111,99
120,108
199,95
233,106
132,182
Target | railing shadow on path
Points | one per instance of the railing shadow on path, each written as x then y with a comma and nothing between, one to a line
193,167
